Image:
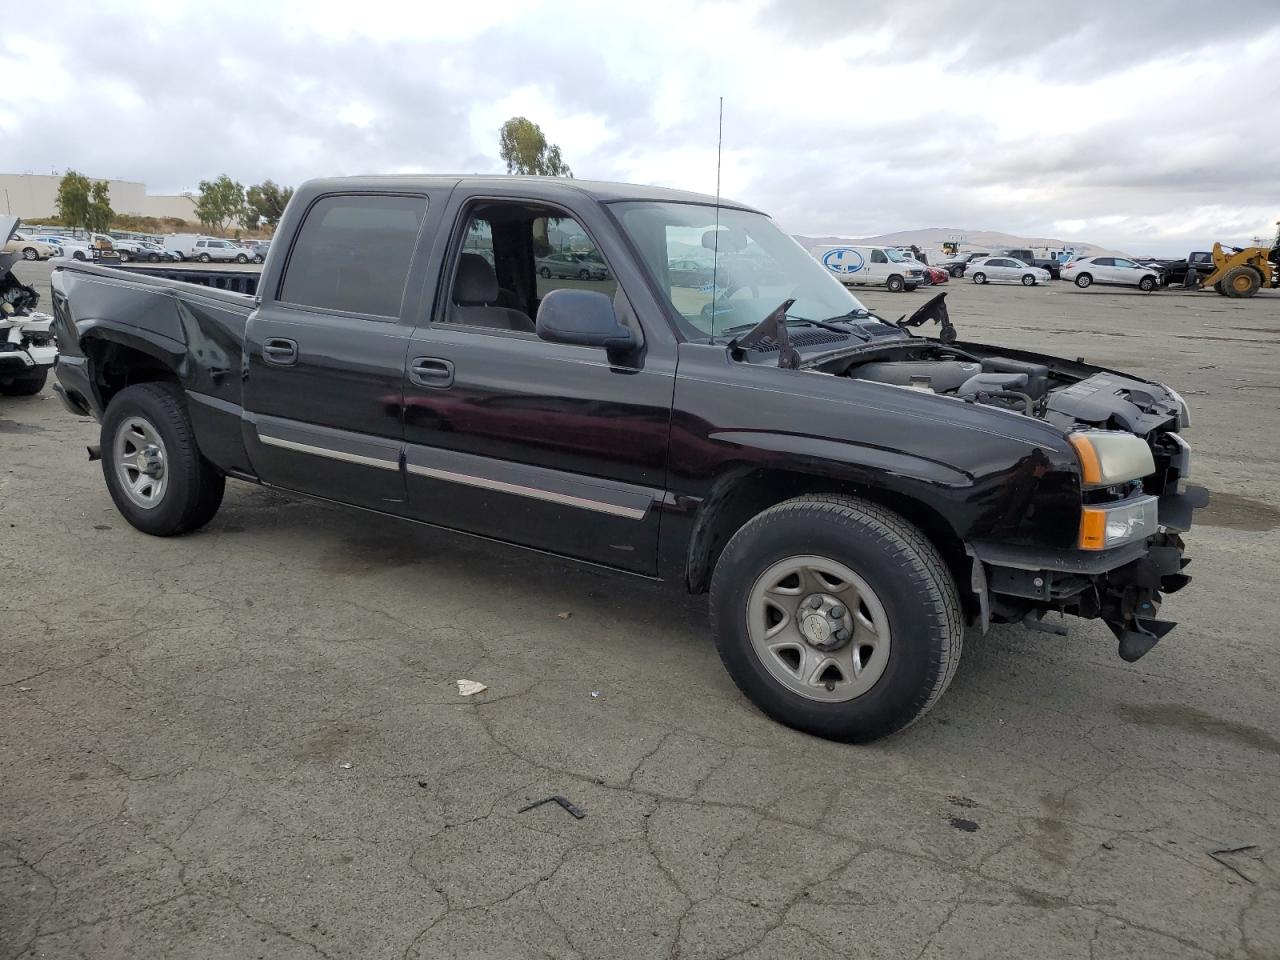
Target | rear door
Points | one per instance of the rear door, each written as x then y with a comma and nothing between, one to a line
1104,269
548,445
325,352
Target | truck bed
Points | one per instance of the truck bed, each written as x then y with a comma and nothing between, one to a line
243,282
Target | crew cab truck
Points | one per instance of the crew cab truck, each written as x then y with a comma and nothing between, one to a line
851,494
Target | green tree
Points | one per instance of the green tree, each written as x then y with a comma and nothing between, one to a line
267,201
74,199
220,202
524,148
98,219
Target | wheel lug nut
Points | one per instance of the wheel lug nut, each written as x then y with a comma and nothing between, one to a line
836,612
842,634
815,602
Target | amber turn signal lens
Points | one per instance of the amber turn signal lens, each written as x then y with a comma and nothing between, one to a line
1093,528
1090,467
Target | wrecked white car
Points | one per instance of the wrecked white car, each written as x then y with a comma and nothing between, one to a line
27,347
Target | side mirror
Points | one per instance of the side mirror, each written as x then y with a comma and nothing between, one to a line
585,318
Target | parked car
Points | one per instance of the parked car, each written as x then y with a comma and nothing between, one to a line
192,246
1050,264
1006,270
571,265
71,249
880,266
1119,271
847,528
28,247
141,250
956,265
931,274
689,273
258,250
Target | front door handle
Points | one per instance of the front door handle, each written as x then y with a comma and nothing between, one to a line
280,351
431,372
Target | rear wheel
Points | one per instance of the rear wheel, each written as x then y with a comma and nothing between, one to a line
124,257
837,617
979,277
1147,284
1083,280
957,272
27,385
155,473
1028,280
1241,282
545,273
153,258
895,284
204,258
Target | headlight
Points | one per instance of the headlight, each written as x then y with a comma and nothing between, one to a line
1108,457
1102,528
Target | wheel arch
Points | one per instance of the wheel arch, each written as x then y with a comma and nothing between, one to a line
120,356
741,494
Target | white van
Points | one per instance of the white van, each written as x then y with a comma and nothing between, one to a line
878,266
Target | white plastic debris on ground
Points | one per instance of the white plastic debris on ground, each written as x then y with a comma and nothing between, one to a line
469,688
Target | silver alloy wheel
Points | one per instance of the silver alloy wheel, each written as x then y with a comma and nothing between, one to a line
818,628
141,462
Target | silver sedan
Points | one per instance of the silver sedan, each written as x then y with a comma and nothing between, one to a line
1006,270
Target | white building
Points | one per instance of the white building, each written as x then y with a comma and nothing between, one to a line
32,196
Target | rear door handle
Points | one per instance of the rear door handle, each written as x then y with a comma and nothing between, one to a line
280,351
431,372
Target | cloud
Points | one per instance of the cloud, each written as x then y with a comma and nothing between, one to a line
1140,127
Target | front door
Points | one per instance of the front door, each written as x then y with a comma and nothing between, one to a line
543,444
325,353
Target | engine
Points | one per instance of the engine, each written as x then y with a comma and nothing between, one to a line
1000,381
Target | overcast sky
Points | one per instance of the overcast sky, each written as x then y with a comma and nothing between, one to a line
1150,127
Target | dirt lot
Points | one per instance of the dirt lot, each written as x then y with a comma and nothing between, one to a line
248,742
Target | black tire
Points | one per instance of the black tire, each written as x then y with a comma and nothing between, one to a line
979,277
584,274
545,273
124,257
195,486
30,253
957,272
903,568
1147,284
894,284
27,385
1084,280
1241,282
1220,288
78,255
241,258
204,258
1028,280
153,258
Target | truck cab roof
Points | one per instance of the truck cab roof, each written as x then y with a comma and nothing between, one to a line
546,187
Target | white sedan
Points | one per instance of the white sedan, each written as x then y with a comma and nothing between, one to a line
72,249
1087,271
1005,270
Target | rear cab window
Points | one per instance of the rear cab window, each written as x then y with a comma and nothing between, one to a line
352,254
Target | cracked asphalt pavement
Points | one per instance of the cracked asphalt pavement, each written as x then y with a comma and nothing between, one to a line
248,742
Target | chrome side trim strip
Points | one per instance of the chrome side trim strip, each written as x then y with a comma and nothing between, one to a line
617,510
329,452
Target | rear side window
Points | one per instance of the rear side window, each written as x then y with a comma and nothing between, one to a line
352,254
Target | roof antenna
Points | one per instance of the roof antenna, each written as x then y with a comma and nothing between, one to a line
715,253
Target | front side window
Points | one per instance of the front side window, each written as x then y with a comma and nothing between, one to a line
745,267
877,256
352,254
513,254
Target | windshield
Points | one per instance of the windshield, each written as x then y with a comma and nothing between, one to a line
733,277
895,255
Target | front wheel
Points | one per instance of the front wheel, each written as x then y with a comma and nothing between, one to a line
957,272
153,258
1028,280
1147,284
155,473
241,258
837,617
895,284
979,278
1083,280
545,273
30,253
78,255
584,274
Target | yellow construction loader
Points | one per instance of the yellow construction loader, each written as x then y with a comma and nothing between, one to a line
1243,271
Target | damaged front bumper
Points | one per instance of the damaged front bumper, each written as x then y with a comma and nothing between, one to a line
1123,586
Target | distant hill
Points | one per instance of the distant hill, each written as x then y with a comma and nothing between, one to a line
932,238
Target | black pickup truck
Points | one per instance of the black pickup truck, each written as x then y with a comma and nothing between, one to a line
851,493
